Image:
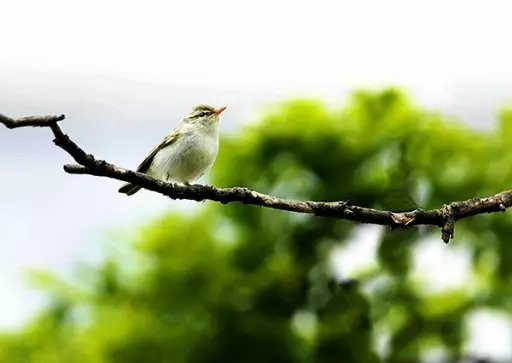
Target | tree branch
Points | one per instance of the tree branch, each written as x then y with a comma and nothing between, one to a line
444,217
34,121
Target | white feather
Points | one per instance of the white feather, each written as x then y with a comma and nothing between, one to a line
190,156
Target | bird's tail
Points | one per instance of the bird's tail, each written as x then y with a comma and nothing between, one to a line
129,189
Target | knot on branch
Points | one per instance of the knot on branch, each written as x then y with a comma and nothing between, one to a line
402,219
449,218
501,204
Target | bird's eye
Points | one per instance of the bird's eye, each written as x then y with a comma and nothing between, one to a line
202,114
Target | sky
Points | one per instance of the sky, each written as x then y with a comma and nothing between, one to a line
125,72
283,47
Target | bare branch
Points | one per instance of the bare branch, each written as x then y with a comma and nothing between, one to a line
444,217
34,121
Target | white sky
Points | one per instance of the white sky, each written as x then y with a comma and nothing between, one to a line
447,53
290,45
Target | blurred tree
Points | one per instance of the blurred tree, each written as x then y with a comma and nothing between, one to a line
243,284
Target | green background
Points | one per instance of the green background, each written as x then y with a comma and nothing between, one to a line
240,283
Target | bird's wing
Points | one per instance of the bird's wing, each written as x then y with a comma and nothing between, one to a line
169,139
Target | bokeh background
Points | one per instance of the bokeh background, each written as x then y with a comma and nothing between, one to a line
389,104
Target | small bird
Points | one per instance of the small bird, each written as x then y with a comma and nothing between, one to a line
187,152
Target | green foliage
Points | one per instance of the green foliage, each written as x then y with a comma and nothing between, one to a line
239,283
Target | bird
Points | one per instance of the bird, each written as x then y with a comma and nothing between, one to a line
187,152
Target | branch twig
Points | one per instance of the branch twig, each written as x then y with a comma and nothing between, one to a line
34,121
444,217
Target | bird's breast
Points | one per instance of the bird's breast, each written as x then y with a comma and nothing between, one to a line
187,159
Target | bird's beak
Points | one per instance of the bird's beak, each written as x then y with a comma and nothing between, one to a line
219,111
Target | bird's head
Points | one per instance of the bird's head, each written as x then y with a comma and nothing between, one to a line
204,115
